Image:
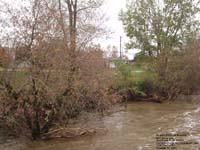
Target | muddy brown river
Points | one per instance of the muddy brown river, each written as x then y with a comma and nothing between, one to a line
137,129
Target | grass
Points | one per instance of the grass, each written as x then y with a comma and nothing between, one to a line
17,78
137,78
140,74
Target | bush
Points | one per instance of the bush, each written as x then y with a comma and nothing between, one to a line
134,81
182,74
47,93
147,86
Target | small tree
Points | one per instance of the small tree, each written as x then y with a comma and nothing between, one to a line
62,75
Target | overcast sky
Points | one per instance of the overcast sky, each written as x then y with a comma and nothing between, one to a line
113,8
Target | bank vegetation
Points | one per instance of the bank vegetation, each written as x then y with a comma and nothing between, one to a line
51,71
55,71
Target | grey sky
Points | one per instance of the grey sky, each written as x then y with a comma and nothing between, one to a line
112,9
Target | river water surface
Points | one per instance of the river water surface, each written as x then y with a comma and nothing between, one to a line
135,129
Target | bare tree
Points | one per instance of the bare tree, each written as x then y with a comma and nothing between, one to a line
51,85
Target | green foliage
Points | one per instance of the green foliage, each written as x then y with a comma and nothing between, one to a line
161,30
134,79
123,69
124,79
156,26
148,85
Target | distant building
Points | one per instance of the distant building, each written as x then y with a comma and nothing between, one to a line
112,61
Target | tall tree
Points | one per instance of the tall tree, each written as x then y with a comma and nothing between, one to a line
160,27
43,35
161,30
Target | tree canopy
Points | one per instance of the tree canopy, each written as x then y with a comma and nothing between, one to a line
158,26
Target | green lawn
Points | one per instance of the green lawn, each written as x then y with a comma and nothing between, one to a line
140,74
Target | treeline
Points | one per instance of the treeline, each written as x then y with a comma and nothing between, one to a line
55,71
167,34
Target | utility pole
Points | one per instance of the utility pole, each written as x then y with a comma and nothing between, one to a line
120,47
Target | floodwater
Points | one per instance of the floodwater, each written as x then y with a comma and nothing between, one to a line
137,129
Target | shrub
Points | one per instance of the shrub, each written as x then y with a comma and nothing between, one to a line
49,93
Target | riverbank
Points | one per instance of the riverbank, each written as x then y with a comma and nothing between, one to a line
134,127
86,124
